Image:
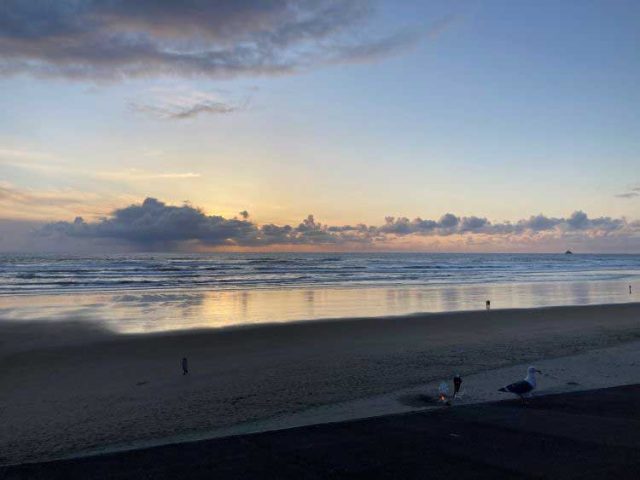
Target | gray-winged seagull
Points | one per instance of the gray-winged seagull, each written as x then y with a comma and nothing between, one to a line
525,386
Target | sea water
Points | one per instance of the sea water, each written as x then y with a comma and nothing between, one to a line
157,292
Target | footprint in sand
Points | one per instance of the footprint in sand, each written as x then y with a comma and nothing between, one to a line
141,383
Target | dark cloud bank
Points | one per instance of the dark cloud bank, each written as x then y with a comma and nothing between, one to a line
153,225
100,39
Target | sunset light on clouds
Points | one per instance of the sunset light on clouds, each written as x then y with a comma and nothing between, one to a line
257,239
338,125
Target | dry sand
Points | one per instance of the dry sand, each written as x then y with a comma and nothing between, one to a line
72,388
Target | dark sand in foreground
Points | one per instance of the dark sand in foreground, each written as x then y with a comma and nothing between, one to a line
557,436
90,389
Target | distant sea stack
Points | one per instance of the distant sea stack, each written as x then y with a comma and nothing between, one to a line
568,252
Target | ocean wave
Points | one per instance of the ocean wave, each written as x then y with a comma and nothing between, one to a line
20,274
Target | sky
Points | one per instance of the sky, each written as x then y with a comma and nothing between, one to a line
320,125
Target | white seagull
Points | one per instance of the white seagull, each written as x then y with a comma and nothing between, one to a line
525,386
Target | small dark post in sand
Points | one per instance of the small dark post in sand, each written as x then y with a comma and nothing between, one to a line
629,289
185,366
488,304
457,382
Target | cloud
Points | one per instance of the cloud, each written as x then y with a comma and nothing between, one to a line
153,224
182,112
115,39
28,204
473,224
60,167
10,194
539,223
578,220
449,220
16,203
137,174
374,50
24,154
178,102
632,192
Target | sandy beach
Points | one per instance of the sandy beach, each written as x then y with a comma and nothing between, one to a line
71,387
563,436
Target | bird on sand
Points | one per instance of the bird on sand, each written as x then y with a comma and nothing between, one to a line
523,387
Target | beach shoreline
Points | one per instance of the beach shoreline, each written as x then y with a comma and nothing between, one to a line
97,389
165,308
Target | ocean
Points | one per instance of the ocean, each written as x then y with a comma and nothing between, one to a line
157,292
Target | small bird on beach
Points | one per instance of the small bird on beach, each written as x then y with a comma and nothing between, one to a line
523,387
185,366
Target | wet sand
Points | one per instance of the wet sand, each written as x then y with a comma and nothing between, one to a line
86,389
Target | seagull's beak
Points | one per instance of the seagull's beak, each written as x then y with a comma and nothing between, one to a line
538,371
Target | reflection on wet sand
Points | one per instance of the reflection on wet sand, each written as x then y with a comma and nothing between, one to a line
163,311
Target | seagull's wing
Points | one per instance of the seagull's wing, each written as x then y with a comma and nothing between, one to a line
519,388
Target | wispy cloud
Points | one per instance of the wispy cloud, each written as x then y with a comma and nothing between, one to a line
184,112
632,192
8,153
180,102
45,164
133,174
31,204
12,194
99,39
176,175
